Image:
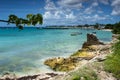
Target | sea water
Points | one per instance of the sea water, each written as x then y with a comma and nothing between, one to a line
24,51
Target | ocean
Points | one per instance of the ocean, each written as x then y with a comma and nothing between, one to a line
24,51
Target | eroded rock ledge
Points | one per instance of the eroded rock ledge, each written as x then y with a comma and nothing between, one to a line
89,50
91,40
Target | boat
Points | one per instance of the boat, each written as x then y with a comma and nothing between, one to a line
75,33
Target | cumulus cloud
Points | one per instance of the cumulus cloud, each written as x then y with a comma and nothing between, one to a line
70,16
50,5
50,15
52,12
97,17
95,3
70,12
75,4
116,7
106,2
90,9
57,15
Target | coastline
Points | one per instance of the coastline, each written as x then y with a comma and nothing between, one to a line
53,74
106,29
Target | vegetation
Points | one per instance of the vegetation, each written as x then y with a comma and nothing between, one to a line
31,19
112,64
84,73
109,26
116,28
96,26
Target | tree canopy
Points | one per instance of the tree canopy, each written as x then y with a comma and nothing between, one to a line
109,26
116,28
96,26
31,19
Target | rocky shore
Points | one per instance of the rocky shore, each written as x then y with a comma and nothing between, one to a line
89,50
91,55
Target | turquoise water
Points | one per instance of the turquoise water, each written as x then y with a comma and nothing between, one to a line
25,51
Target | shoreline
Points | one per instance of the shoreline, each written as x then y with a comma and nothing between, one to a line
106,29
43,74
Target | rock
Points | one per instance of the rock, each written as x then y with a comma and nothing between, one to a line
51,74
91,40
8,76
83,54
61,64
28,77
101,59
54,62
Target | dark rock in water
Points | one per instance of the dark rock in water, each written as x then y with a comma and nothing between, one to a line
94,32
51,74
91,40
8,76
76,33
28,77
46,78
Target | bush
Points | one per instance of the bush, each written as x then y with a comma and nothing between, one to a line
112,64
84,73
116,28
109,26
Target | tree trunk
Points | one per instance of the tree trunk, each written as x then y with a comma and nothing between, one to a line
6,21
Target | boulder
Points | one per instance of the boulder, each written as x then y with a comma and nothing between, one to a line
91,40
61,64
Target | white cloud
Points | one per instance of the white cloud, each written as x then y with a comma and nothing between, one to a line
96,17
116,7
95,3
52,12
50,5
52,15
106,2
70,16
76,4
100,11
88,10
91,9
62,12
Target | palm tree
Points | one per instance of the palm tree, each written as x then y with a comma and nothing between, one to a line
35,19
20,22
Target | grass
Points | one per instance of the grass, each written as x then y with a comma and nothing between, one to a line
84,73
112,64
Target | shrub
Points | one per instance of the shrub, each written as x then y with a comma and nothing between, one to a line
112,64
116,28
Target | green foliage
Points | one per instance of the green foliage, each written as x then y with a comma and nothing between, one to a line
116,28
31,20
84,73
109,26
112,64
76,77
86,25
96,26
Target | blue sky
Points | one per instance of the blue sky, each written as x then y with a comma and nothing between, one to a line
63,12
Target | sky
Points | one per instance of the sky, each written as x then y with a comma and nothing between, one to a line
63,12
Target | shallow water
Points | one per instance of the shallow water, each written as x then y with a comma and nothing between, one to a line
25,51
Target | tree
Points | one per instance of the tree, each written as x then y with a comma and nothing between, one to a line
96,26
32,19
109,26
116,28
86,25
